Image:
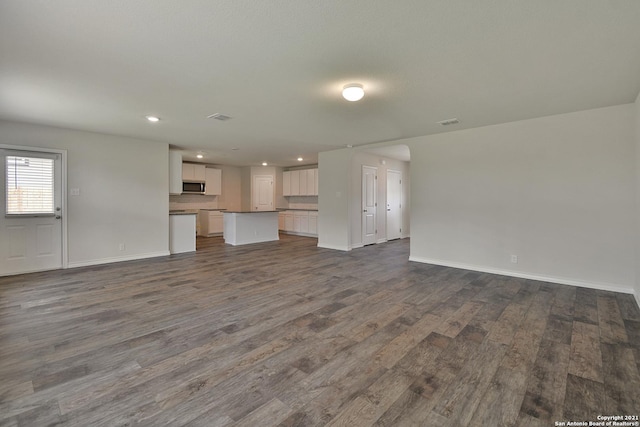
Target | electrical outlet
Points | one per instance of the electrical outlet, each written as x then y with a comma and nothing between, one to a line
74,192
121,247
514,259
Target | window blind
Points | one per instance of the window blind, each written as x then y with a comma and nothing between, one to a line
30,184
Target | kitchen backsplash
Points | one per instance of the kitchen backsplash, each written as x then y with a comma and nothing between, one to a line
303,202
192,201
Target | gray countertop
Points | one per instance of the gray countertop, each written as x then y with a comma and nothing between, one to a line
245,212
183,212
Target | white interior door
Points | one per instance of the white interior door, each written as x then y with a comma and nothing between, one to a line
31,204
394,204
369,205
262,193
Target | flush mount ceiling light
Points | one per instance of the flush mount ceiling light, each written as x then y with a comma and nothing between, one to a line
448,122
353,92
219,116
264,163
153,119
300,159
199,155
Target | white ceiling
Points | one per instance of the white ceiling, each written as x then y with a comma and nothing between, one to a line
277,68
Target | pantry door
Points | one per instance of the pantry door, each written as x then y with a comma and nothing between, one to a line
30,211
369,204
263,193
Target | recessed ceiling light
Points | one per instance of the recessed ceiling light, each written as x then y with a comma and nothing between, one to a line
353,92
199,156
264,163
300,159
235,149
153,119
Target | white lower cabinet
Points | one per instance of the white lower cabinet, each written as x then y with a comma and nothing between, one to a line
313,223
299,222
211,223
301,219
288,221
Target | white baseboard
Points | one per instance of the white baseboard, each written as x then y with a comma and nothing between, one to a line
560,280
116,259
381,241
334,247
295,233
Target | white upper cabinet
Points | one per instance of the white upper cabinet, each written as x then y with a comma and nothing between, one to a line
193,172
213,182
302,182
175,172
311,182
295,183
286,183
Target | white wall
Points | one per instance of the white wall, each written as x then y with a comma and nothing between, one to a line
280,201
637,212
231,188
362,158
124,188
557,191
334,173
245,188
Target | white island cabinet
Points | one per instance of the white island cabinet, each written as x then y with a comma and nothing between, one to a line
242,228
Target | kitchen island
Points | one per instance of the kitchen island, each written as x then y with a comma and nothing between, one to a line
245,227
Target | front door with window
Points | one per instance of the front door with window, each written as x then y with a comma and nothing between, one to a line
30,221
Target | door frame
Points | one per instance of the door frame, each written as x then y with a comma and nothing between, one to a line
362,204
401,207
63,187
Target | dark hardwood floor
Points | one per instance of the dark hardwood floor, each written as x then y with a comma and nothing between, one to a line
286,334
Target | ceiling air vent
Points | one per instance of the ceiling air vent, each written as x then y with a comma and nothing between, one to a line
219,116
449,122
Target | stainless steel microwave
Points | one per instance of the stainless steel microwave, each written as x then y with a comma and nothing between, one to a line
193,187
